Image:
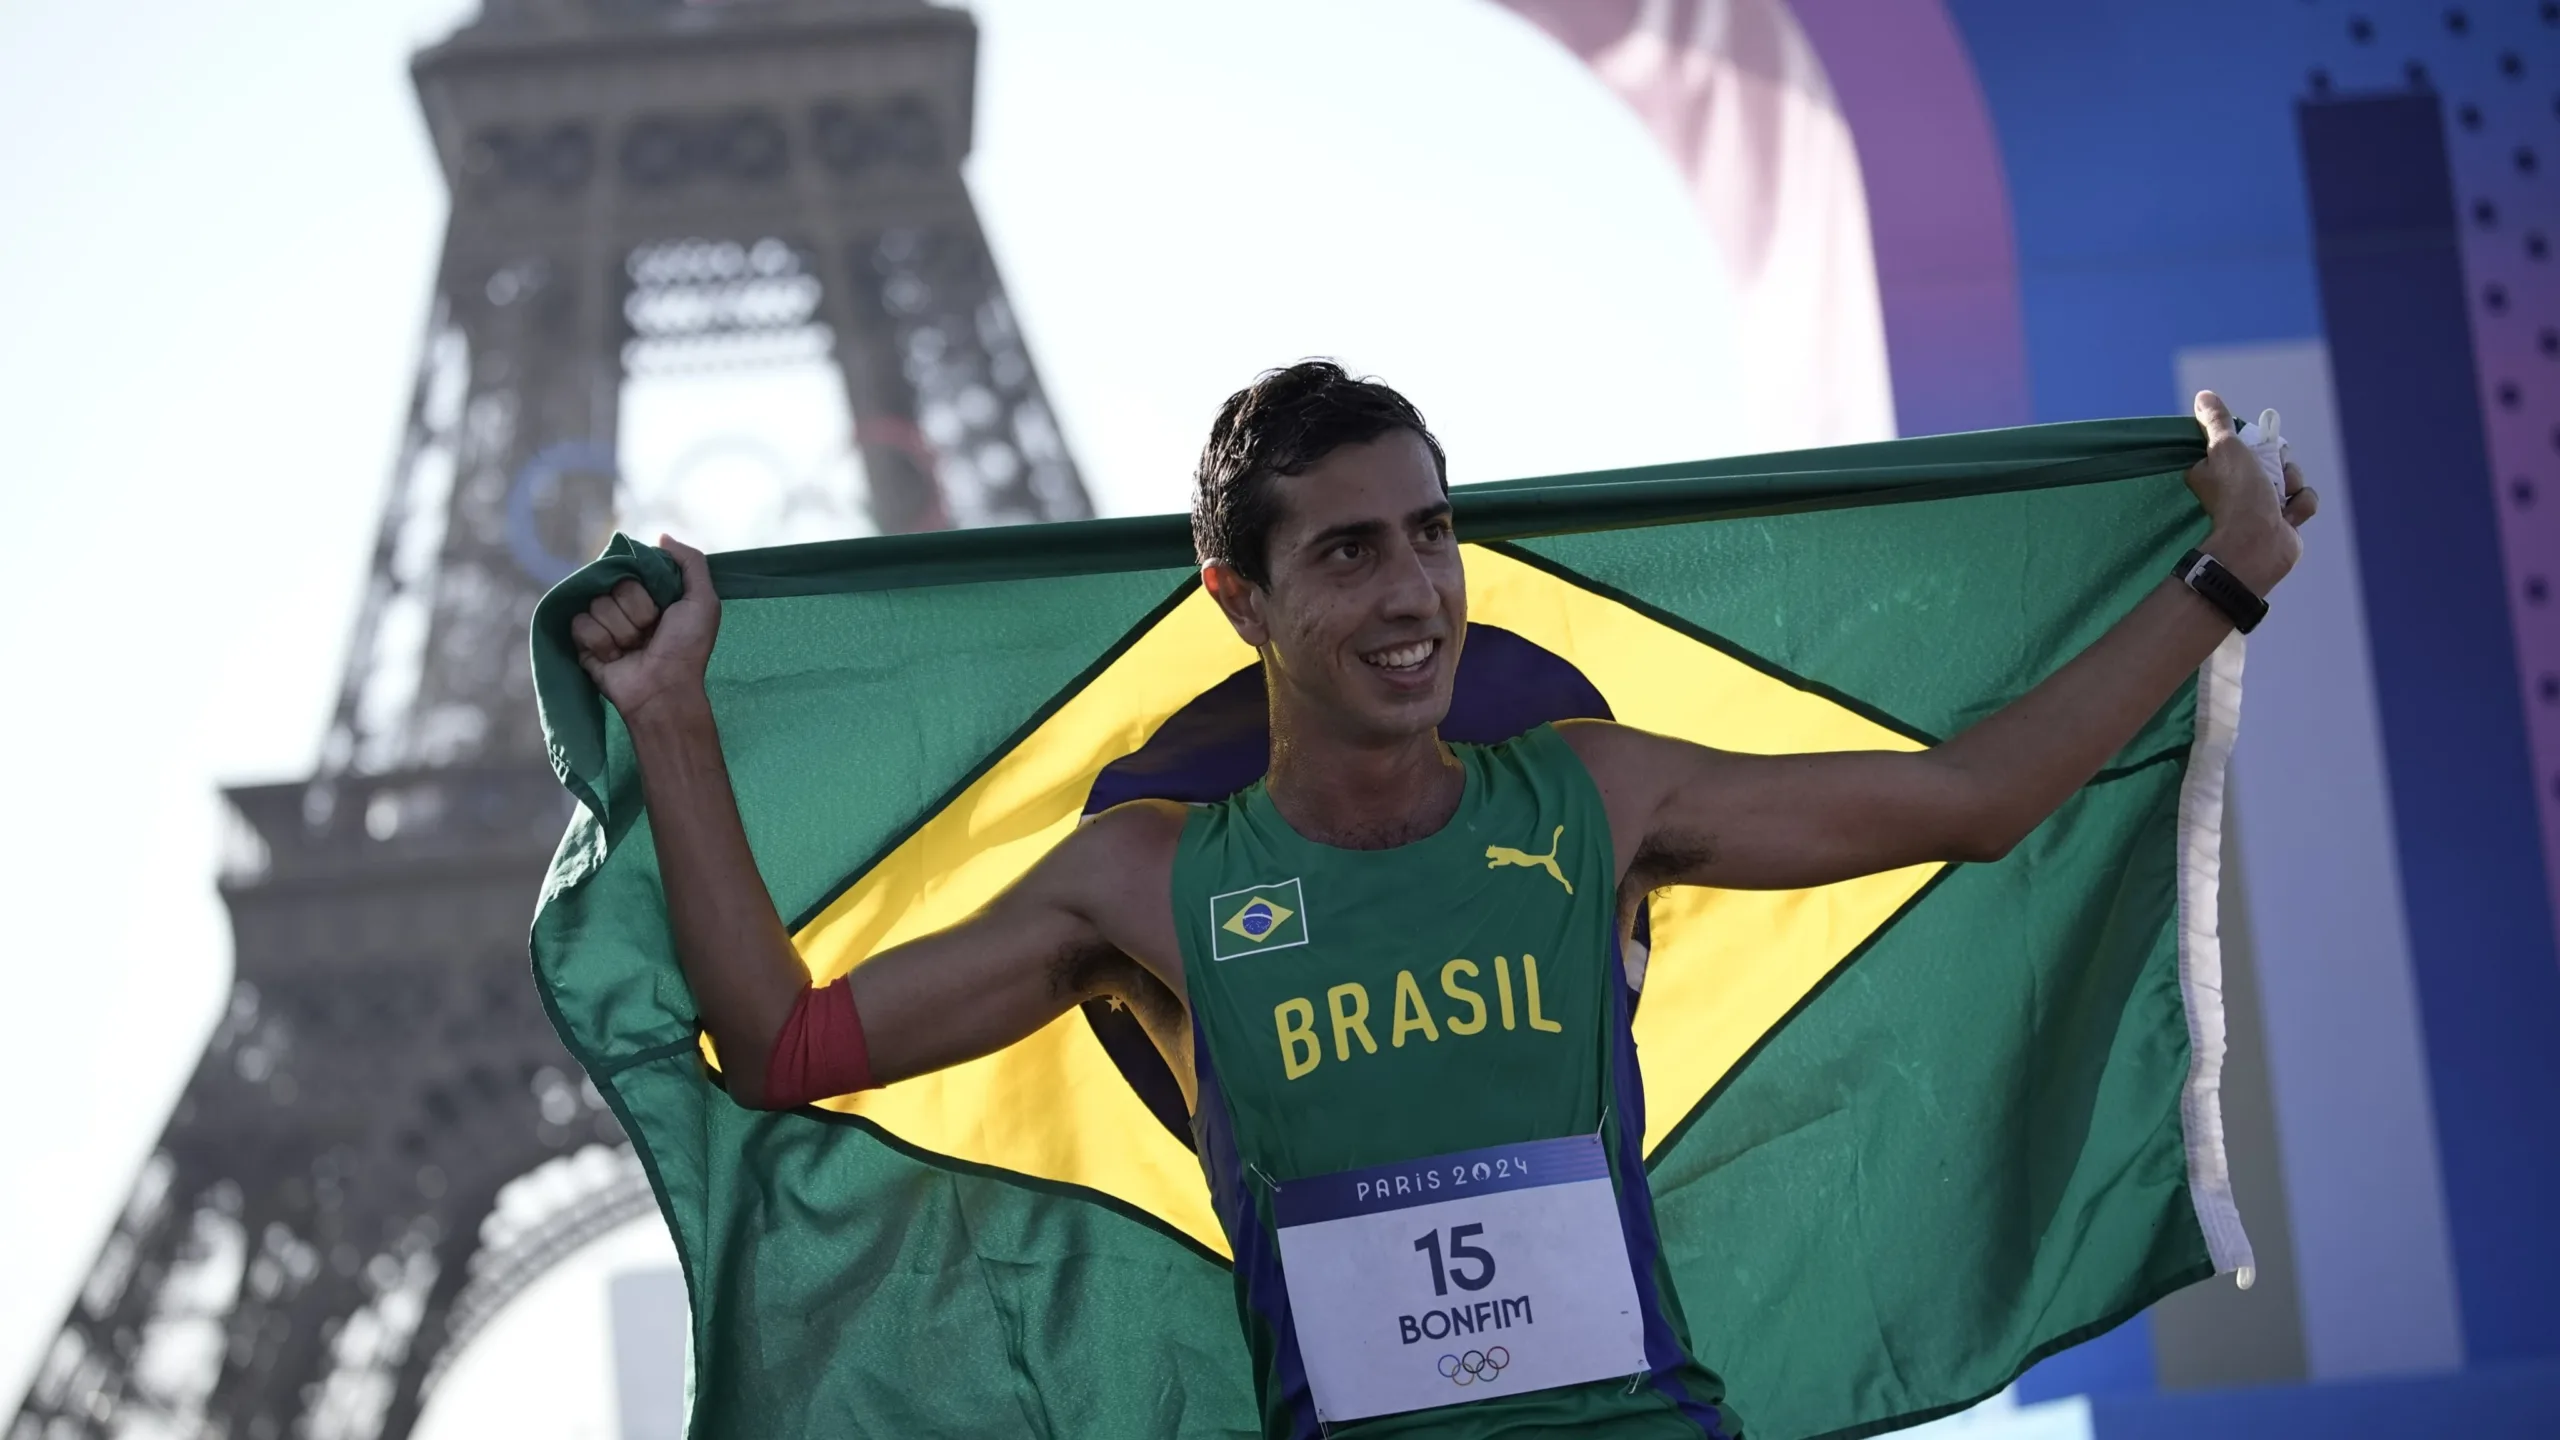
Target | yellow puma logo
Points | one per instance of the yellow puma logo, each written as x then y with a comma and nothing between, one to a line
1497,856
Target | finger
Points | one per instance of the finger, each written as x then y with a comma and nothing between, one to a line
2301,505
2292,479
592,639
2215,417
633,599
607,612
697,570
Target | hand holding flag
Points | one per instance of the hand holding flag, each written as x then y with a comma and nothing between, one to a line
638,655
2252,537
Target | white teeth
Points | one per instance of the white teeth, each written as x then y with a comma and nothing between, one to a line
1401,657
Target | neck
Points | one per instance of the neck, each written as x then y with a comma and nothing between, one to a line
1362,795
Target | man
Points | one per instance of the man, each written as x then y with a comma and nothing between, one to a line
1417,1103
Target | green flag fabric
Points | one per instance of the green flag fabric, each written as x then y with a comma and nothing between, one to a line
1906,1135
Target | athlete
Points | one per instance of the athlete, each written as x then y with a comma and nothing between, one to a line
1428,1166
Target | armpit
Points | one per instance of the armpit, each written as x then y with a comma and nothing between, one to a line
1664,859
1107,974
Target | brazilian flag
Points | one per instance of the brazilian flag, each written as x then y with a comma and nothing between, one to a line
1907,1134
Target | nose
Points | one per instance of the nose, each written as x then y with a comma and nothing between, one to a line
1409,592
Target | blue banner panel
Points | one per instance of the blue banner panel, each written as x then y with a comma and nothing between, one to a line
2469,845
2504,1402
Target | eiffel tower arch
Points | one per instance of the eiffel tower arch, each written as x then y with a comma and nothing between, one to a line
383,1142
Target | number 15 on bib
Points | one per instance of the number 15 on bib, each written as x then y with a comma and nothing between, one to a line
1459,1277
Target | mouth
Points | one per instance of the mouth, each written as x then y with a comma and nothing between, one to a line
1408,661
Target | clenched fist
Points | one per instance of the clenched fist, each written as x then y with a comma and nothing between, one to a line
640,656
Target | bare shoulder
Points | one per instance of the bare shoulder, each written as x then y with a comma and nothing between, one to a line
1135,832
1124,878
1117,871
1124,851
1633,770
1597,742
1624,762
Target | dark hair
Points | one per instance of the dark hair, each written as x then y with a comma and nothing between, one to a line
1285,423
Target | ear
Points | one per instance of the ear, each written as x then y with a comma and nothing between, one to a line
1241,599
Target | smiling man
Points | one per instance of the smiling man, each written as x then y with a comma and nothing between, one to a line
1427,1167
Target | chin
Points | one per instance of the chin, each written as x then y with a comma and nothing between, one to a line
1420,715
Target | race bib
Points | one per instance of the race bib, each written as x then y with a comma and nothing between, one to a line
1459,1277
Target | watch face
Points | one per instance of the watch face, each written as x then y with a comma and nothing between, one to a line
2237,601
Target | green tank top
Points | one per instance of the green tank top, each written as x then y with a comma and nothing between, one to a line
1356,1010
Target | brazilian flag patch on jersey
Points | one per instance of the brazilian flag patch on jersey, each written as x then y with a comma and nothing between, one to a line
1266,917
1905,1133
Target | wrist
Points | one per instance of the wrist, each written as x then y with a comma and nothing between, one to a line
671,711
2257,555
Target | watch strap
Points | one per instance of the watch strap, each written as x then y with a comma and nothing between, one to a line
2204,575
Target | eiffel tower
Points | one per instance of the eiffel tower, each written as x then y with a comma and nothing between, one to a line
383,1143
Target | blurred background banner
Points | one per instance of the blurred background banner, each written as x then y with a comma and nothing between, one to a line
296,1154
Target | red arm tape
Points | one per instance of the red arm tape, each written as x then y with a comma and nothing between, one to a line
820,1052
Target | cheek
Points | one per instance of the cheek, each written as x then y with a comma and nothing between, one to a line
1453,591
1319,628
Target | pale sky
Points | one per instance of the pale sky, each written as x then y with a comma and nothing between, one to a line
217,228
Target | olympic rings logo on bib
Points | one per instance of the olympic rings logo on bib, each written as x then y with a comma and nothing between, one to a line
1475,1365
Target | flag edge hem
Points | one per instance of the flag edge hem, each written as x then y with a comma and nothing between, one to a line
2201,797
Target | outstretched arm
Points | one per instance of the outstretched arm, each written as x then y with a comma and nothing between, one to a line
1058,937
1684,814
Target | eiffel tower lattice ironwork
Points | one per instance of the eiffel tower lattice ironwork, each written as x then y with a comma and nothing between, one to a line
383,1141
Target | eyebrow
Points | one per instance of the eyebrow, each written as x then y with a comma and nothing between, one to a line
1369,529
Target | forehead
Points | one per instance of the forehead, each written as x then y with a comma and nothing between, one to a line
1380,480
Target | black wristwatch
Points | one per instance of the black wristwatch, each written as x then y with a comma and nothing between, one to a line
2204,575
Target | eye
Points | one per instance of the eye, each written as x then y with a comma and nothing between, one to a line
1345,550
1435,531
